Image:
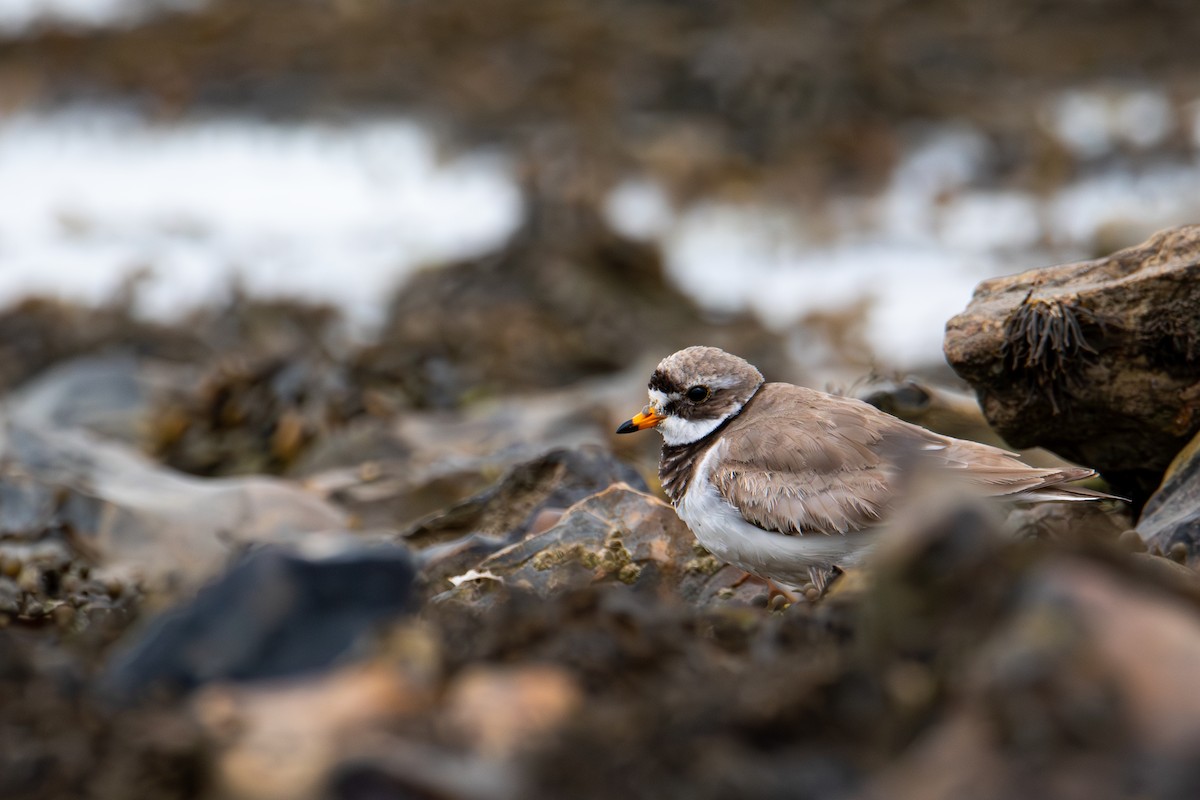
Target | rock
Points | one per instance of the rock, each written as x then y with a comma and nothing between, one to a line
501,711
1094,360
119,512
1086,691
109,395
529,499
393,473
1171,516
554,481
401,768
619,535
317,722
276,613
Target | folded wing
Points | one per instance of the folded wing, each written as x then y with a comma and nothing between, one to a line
811,463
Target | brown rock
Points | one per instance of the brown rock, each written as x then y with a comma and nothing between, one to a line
1094,360
282,741
501,711
619,535
1086,691
528,500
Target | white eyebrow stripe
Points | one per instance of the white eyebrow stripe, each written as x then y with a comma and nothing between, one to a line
724,382
659,399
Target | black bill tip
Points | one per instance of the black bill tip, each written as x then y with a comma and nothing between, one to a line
628,427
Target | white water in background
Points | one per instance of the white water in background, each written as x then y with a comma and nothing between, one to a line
915,251
21,16
343,213
334,213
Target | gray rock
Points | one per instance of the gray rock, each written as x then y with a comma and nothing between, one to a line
1171,518
109,395
126,514
276,613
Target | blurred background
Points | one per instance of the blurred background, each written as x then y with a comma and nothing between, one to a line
331,307
844,173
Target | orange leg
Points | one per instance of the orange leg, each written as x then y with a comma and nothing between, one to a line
773,589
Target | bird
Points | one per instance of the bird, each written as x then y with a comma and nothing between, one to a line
792,484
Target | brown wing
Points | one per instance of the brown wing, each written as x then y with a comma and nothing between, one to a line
807,462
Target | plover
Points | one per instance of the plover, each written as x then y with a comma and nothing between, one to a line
788,483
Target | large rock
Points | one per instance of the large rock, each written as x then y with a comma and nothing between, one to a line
1094,360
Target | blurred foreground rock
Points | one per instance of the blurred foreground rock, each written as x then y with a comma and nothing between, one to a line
1087,690
1096,361
605,655
275,614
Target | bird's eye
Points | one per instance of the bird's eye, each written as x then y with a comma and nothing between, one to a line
697,393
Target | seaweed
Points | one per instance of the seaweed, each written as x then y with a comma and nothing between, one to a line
1047,340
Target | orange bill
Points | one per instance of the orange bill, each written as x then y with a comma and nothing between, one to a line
647,419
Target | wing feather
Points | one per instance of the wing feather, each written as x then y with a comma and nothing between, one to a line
806,463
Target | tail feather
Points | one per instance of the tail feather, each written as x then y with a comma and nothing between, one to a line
1056,485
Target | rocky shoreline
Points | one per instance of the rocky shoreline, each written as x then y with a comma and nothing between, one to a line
243,558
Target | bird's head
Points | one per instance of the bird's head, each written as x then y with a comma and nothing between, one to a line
693,392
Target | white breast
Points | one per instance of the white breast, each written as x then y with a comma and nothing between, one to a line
784,558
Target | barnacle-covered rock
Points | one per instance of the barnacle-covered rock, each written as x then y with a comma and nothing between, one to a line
619,535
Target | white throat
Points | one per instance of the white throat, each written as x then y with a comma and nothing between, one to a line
676,431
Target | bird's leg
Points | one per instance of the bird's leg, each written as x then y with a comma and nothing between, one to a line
773,589
746,576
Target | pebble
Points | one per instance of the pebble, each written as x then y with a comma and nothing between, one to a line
30,579
63,615
1132,541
